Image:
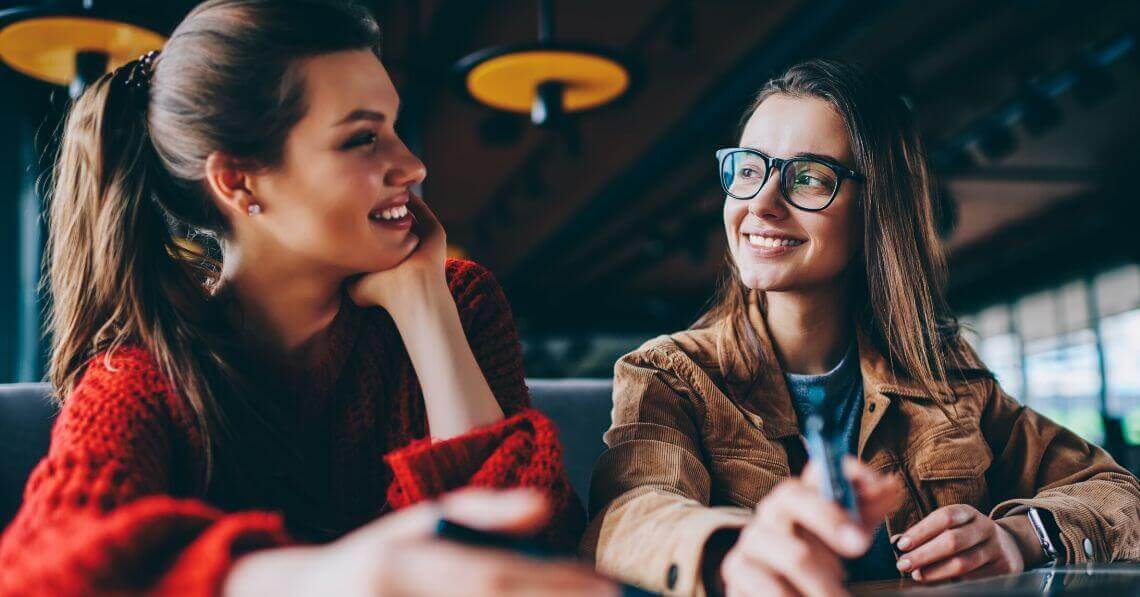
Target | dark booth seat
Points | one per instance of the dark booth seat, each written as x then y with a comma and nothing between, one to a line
26,414
580,408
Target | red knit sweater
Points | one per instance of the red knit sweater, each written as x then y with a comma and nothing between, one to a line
111,508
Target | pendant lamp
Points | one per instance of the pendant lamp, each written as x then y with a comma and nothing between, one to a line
547,79
71,44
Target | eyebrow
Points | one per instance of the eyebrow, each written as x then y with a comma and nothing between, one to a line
807,154
822,157
362,114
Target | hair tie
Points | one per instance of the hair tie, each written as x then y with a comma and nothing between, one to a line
140,70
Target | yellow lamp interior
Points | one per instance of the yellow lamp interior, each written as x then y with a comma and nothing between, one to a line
45,47
509,82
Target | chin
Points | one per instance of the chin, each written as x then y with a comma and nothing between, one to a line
379,260
765,281
393,251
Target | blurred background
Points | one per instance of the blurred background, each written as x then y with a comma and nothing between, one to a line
604,224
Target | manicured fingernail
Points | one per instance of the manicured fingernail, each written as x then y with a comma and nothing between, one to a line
903,543
915,575
904,565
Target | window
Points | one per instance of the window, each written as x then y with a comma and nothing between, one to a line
1064,382
1064,350
1121,337
998,346
1118,301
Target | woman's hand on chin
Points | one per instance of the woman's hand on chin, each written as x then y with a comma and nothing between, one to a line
420,273
416,294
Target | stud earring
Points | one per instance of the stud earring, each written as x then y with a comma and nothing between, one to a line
253,209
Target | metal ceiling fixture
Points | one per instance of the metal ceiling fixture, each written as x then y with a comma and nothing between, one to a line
73,44
547,78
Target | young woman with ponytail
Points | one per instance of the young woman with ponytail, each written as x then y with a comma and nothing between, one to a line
833,306
284,411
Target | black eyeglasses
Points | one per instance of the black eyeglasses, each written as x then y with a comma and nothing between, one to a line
808,183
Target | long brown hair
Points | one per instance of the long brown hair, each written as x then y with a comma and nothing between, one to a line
898,289
127,189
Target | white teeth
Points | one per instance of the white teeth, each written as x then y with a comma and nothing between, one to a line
763,241
392,213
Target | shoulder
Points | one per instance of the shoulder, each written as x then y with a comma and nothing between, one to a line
967,376
663,374
126,382
123,398
689,356
126,369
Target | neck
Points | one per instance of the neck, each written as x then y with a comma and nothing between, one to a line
285,309
810,330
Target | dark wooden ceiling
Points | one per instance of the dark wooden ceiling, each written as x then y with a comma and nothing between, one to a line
614,225
624,233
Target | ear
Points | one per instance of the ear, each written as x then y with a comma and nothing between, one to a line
229,184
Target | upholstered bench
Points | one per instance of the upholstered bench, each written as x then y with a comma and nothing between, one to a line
580,408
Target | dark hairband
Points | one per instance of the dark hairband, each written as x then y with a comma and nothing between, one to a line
140,70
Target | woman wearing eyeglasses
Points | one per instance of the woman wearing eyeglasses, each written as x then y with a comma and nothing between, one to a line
833,307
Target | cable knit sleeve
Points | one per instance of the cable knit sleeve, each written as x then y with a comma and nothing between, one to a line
520,451
100,512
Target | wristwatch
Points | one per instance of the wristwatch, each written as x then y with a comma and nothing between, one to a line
1041,519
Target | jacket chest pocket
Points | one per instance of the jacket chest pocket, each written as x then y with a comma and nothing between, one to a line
950,468
744,477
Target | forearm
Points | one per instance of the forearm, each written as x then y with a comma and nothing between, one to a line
456,393
1092,498
1094,517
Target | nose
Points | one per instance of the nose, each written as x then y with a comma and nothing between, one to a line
769,204
405,169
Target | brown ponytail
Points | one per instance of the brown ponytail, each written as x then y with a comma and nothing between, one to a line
127,187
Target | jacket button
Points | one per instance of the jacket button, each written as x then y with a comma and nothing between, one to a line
1088,547
671,576
871,407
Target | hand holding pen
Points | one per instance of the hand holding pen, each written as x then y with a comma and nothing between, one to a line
797,538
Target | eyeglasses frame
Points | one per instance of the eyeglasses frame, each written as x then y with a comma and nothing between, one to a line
841,173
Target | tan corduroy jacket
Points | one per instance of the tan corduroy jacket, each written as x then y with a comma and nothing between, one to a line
688,455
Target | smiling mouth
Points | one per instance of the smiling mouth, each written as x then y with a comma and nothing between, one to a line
766,242
392,214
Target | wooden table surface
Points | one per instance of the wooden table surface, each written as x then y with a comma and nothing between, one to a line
875,587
